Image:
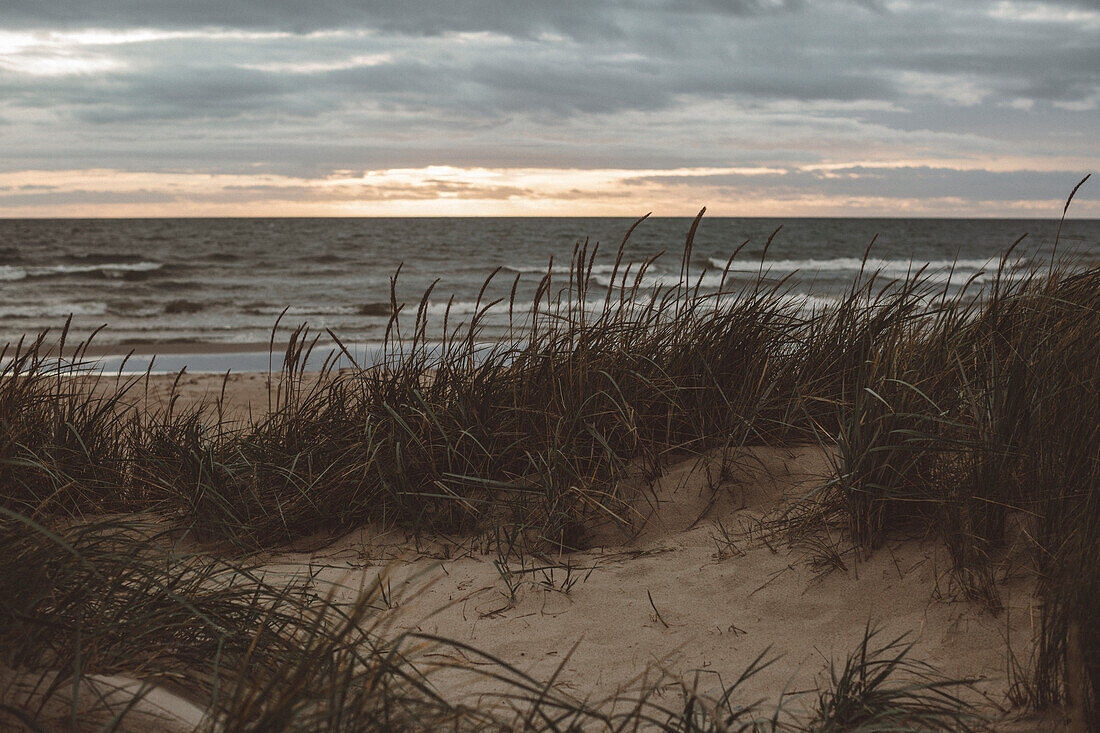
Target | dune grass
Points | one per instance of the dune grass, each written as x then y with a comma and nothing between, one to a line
972,415
120,612
549,429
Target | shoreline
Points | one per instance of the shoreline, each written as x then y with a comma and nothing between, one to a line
217,358
199,357
180,348
194,358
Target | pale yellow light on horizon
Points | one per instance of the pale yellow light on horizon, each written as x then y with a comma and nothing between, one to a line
454,191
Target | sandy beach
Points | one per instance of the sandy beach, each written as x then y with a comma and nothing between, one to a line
678,603
704,590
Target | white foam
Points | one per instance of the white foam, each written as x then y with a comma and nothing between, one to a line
456,308
466,308
10,273
53,310
661,280
307,310
604,269
855,264
102,267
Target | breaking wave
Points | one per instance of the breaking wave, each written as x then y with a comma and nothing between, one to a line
855,264
603,269
53,310
108,269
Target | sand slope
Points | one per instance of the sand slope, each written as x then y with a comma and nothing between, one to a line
679,600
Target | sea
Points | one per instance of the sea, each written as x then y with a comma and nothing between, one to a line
199,286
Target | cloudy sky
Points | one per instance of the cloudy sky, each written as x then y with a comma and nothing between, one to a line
569,107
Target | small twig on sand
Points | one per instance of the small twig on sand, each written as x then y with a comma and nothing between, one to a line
654,607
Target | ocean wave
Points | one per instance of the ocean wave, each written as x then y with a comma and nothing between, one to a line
712,280
95,267
106,269
459,307
302,310
171,286
53,310
566,269
855,264
374,309
133,308
651,280
802,301
103,258
435,309
183,306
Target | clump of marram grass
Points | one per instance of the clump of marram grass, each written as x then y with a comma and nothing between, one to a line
977,418
98,618
881,688
62,444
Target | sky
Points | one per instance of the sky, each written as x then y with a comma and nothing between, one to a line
566,108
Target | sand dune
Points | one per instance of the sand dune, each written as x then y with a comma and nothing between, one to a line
679,602
710,584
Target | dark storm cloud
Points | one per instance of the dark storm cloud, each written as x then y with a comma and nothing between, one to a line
501,82
254,14
579,18
181,95
416,17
